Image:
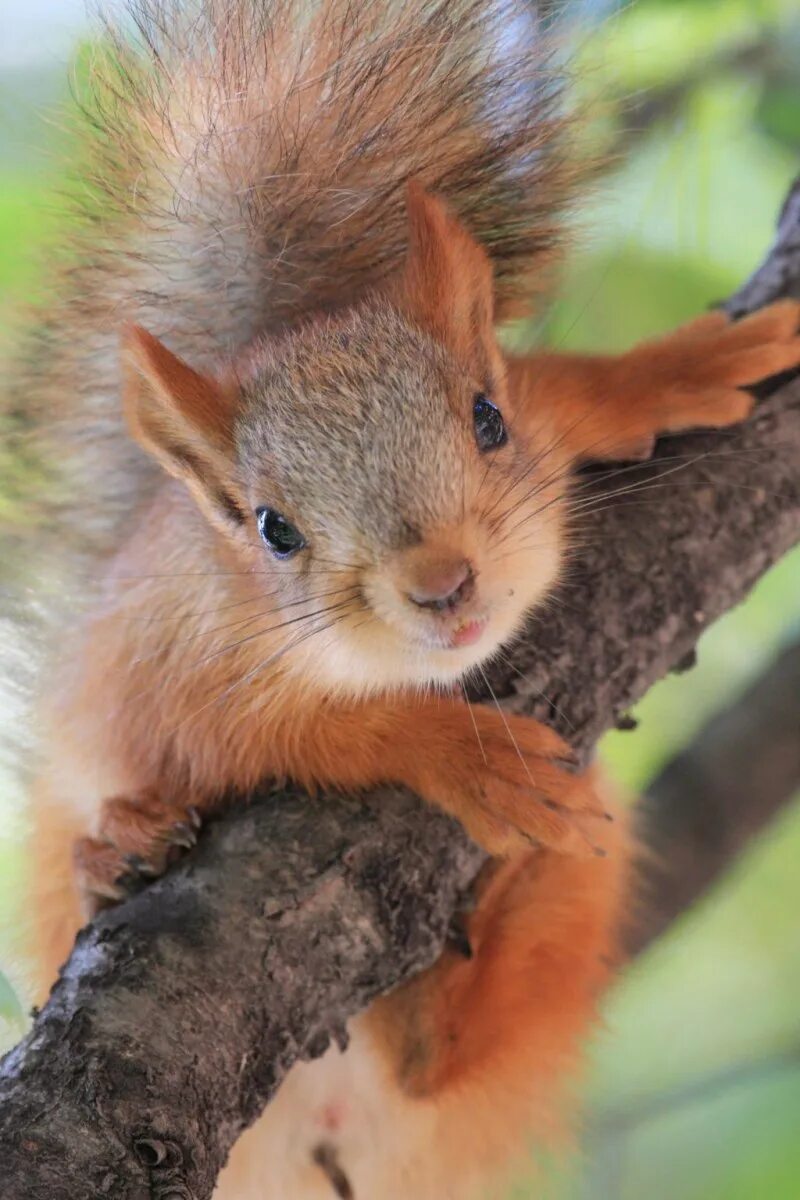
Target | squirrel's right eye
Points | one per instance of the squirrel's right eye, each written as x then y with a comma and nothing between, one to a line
490,429
278,534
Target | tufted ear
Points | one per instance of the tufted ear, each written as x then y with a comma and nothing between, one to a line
447,280
185,421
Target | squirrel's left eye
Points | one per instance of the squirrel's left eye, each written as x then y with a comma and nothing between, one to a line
279,534
490,428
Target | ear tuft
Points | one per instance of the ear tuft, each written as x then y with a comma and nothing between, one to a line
447,281
197,400
185,421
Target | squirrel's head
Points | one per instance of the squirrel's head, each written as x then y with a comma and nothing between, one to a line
367,466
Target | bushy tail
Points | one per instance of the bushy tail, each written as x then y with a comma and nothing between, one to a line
263,145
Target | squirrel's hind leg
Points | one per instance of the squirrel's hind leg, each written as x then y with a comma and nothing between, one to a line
488,1042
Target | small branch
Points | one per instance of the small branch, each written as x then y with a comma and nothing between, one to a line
623,1120
779,274
641,111
294,913
716,796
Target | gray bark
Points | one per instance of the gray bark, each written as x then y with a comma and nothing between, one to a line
179,1012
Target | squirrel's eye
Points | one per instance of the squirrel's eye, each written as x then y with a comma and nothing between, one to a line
490,428
278,533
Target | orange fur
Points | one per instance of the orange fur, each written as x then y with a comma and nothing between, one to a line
53,889
477,1045
615,407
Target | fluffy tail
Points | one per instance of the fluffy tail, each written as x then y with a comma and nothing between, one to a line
261,146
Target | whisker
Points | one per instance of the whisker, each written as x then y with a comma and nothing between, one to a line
681,462
570,469
276,628
647,485
242,621
182,615
262,666
559,712
509,731
240,642
251,572
474,725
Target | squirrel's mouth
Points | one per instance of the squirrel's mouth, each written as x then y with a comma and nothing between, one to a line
468,633
452,634
456,629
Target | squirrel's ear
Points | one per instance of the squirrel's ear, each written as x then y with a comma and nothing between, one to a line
447,281
185,420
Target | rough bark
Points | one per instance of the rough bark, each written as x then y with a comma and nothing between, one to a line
179,1012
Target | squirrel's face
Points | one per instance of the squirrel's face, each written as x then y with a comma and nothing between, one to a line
391,492
368,467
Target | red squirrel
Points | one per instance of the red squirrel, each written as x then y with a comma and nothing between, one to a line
310,495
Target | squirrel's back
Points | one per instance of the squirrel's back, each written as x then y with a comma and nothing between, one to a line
243,165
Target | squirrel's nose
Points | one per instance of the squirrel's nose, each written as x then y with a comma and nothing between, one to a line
443,587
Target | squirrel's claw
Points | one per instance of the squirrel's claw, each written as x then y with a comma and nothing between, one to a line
139,837
182,833
457,937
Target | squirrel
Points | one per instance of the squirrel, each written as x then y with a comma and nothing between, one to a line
310,495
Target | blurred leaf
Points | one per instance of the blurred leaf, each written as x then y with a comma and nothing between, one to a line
720,987
778,113
651,44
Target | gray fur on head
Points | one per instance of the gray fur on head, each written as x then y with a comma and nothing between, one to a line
358,430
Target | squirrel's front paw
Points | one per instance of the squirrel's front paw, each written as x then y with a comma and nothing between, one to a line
699,370
138,837
507,779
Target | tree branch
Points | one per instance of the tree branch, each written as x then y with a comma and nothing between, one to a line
290,916
718,794
293,913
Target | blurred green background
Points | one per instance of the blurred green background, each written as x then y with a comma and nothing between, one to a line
695,1085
